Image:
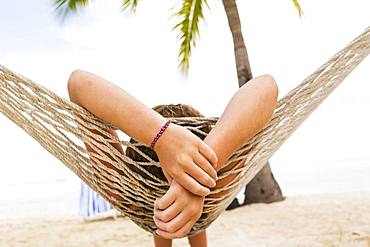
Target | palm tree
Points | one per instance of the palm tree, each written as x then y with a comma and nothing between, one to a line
263,188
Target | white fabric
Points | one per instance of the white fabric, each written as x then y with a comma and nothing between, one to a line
91,204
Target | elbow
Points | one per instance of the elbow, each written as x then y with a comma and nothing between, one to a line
270,93
271,87
76,84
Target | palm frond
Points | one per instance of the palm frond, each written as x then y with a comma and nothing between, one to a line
129,4
190,13
298,7
66,7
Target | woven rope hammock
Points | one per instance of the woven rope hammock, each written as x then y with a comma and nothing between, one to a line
61,127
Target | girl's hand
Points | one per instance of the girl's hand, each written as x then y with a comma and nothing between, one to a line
177,211
187,159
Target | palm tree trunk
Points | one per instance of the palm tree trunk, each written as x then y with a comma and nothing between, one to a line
243,67
263,188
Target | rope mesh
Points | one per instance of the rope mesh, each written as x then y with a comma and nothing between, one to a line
61,127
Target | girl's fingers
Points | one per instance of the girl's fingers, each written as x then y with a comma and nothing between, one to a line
208,153
200,176
178,234
174,225
192,185
166,200
167,214
203,163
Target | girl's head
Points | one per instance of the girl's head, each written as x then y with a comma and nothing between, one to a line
179,110
167,111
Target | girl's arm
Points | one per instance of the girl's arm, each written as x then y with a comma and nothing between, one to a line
246,114
183,156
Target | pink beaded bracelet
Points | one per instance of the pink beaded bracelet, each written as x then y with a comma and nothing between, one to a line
161,131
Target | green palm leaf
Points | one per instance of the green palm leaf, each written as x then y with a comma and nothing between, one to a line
66,7
191,13
298,7
129,4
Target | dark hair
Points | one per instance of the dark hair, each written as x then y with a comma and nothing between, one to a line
167,111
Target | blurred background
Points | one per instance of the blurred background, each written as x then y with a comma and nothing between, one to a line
328,154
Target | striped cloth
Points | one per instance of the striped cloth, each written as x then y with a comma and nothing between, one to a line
91,204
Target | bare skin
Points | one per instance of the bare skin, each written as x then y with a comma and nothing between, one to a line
246,114
198,240
189,164
188,159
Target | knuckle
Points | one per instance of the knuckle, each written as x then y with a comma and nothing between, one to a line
157,205
158,223
197,147
182,159
197,215
159,216
163,217
160,205
194,210
174,172
197,210
171,229
188,214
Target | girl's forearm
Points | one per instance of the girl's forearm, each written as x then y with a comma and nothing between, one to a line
125,112
246,114
183,156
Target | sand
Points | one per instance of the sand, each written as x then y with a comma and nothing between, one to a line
314,220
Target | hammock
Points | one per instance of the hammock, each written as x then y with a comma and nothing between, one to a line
130,187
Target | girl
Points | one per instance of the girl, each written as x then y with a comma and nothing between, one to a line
170,111
189,164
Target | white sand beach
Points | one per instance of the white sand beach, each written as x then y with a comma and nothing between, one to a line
315,220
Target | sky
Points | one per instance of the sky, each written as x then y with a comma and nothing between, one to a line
139,53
